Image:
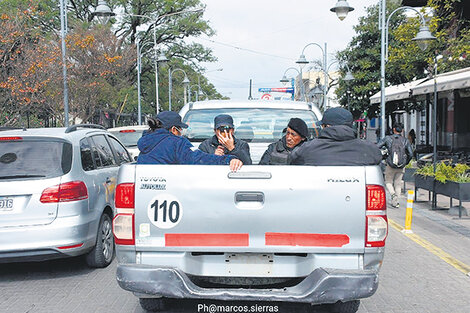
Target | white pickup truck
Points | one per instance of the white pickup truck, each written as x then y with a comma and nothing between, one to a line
266,233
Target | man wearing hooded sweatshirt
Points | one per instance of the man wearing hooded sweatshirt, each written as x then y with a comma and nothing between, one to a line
163,144
337,144
278,152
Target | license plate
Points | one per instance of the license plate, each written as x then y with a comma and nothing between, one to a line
6,204
251,264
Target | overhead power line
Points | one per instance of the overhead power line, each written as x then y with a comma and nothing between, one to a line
244,49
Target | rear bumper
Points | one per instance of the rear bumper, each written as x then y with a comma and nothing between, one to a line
42,242
321,286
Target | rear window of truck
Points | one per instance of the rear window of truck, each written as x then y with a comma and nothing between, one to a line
252,125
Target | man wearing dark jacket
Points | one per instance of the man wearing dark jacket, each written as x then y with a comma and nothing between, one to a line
337,144
278,152
224,142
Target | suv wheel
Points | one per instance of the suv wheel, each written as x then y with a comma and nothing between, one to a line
153,304
345,307
103,251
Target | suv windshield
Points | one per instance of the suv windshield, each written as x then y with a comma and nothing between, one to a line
128,138
30,158
252,125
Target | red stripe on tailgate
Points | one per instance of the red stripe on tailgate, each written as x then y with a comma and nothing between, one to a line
206,240
306,240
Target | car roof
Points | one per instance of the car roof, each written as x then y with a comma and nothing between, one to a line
282,104
55,132
136,127
247,104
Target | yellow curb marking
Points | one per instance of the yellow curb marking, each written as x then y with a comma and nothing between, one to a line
462,267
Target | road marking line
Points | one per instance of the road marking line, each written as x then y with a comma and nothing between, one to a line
462,267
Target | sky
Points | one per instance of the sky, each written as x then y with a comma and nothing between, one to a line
275,32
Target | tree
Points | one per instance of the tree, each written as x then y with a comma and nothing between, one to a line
26,65
406,61
362,56
100,67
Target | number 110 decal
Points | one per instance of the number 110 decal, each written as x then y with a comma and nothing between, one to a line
165,211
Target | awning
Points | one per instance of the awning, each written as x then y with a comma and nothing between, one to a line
396,92
446,81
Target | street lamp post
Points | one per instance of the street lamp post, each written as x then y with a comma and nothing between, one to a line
103,10
285,80
341,9
302,61
63,33
199,91
422,38
160,59
170,85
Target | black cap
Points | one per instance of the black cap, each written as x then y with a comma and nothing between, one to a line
299,126
337,116
223,120
170,119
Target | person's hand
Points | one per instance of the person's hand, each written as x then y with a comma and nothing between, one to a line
235,165
226,140
219,150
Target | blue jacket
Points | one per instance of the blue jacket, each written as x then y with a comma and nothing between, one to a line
162,147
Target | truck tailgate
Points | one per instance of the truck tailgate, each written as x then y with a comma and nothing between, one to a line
276,209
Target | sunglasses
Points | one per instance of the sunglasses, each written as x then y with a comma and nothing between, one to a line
224,128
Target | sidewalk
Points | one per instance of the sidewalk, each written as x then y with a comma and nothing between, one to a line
446,231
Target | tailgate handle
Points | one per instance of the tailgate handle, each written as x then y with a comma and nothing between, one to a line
249,175
249,197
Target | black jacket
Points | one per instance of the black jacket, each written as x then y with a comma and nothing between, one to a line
241,150
337,145
387,142
277,153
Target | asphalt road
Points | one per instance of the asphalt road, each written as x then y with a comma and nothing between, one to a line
412,280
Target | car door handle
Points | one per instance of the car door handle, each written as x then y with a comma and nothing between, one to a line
108,180
249,196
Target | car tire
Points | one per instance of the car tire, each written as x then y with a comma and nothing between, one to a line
102,253
153,304
345,307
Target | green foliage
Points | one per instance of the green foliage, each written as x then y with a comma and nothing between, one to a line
446,172
406,61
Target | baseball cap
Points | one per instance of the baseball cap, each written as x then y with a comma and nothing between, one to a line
337,116
170,119
223,120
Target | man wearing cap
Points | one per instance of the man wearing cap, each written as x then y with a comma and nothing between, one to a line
224,142
337,144
163,144
399,152
278,152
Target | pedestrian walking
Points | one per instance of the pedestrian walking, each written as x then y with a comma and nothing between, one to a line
399,154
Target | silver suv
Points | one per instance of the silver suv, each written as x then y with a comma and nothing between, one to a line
57,193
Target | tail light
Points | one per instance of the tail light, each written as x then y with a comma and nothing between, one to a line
66,192
10,138
123,229
376,216
125,196
127,131
123,223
